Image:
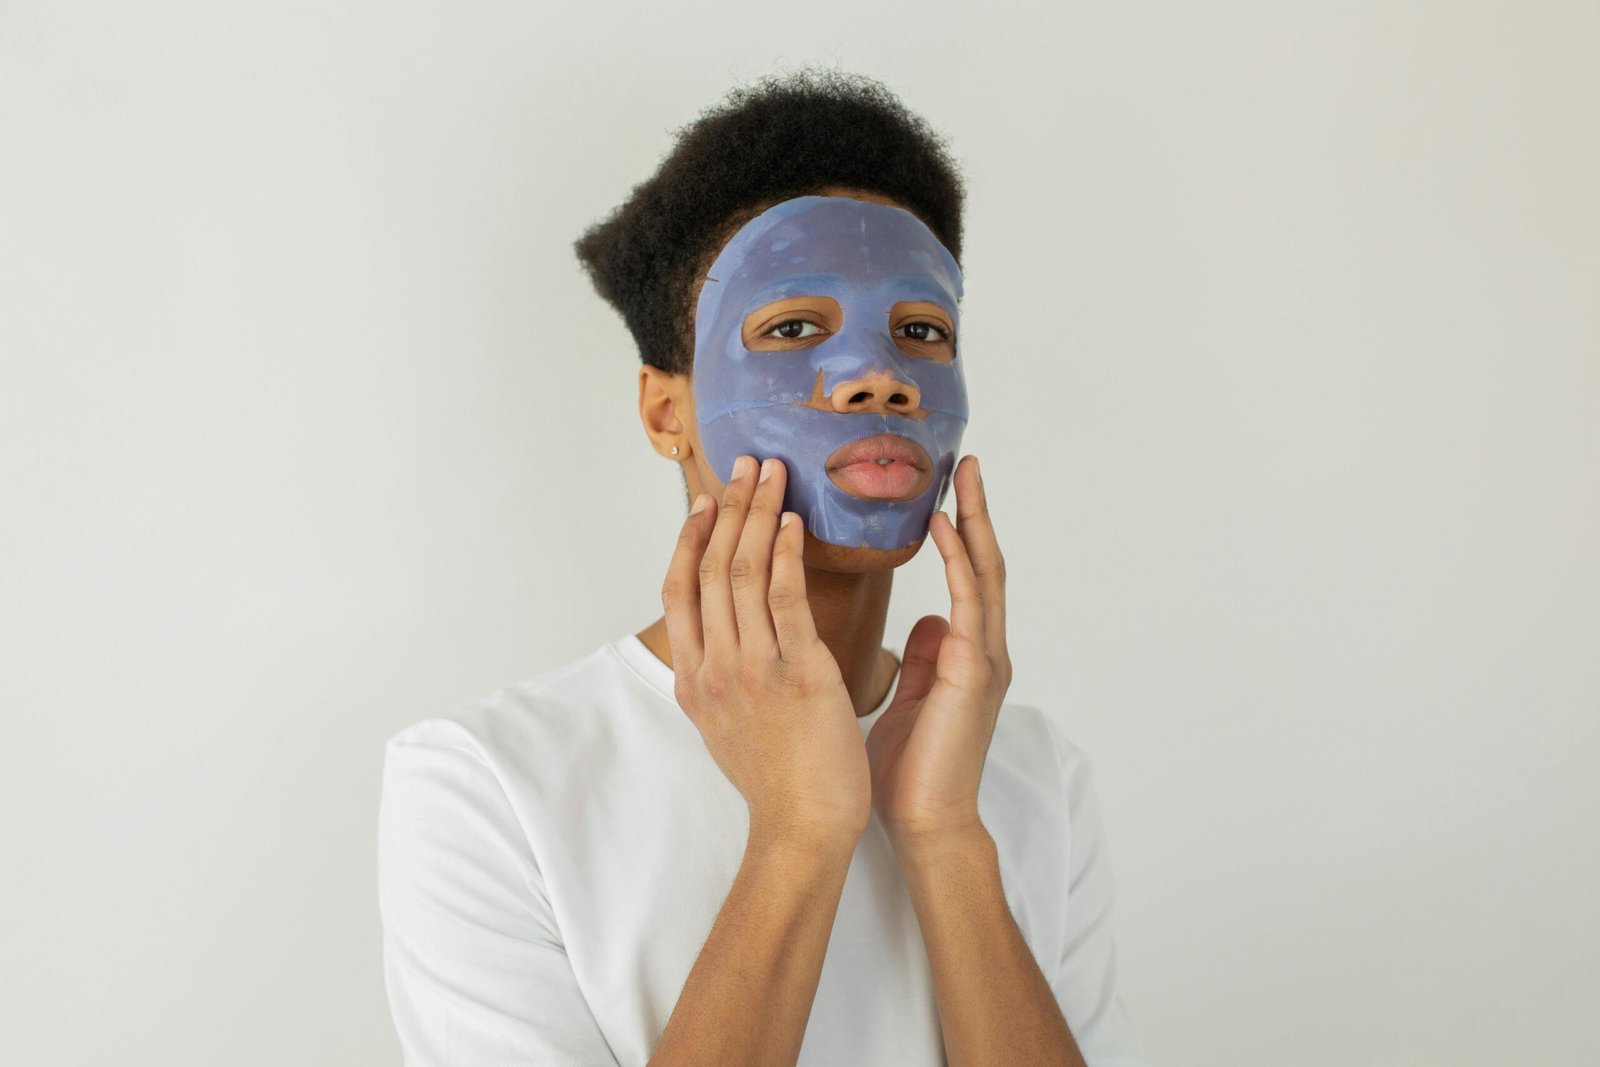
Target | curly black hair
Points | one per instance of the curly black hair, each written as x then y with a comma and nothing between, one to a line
786,136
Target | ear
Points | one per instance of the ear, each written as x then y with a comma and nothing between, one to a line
666,407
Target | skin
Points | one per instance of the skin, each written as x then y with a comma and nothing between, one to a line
775,640
925,777
848,588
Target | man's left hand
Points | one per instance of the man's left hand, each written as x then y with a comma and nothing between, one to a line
928,749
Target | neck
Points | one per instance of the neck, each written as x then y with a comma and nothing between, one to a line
850,611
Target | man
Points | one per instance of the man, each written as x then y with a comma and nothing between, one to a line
733,837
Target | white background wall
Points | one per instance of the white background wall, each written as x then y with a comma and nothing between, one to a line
1285,368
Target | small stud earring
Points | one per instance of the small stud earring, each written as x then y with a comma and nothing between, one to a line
674,450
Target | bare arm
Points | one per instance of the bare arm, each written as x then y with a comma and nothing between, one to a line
995,1005
749,996
927,752
769,701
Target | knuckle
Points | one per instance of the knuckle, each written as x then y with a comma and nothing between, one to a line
742,571
710,566
791,675
713,688
672,591
782,597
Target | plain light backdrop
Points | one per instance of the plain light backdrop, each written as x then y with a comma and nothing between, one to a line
1284,359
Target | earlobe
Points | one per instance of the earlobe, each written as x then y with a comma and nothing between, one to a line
662,399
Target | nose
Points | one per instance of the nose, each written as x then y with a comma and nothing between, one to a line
879,391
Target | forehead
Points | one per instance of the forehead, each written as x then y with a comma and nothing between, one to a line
829,245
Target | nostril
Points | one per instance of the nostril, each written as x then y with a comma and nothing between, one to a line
874,397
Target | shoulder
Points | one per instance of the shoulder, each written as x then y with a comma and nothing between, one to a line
1031,741
456,785
548,709
1039,781
550,743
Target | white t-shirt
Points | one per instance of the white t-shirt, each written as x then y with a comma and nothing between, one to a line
552,858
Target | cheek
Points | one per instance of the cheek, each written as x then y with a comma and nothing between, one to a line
735,381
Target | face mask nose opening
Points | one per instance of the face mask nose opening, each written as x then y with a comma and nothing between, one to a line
879,392
877,382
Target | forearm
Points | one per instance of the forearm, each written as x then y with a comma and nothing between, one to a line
995,1006
749,995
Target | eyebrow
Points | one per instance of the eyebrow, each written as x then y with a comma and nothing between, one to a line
923,287
914,287
832,285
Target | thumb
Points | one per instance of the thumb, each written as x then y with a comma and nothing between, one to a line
921,656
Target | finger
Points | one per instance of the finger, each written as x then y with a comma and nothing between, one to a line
716,596
786,593
976,527
966,605
919,661
751,569
680,592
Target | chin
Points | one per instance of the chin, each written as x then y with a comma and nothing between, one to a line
823,555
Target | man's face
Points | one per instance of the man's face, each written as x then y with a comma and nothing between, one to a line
826,336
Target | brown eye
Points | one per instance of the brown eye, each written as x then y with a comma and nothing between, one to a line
923,331
794,329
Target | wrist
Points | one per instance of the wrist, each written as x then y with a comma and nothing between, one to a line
926,849
821,837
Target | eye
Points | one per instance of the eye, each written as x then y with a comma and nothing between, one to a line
923,331
793,329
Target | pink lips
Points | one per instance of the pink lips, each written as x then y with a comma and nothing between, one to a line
885,467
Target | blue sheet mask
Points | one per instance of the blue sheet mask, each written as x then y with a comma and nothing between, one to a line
868,257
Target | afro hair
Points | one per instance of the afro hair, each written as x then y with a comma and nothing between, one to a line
786,136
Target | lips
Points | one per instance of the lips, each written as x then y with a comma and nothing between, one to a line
885,467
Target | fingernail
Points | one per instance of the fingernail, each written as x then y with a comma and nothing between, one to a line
700,503
788,517
766,469
976,469
743,465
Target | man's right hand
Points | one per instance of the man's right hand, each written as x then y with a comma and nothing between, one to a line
751,673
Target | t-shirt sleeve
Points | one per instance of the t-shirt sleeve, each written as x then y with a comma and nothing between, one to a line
1085,979
474,964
